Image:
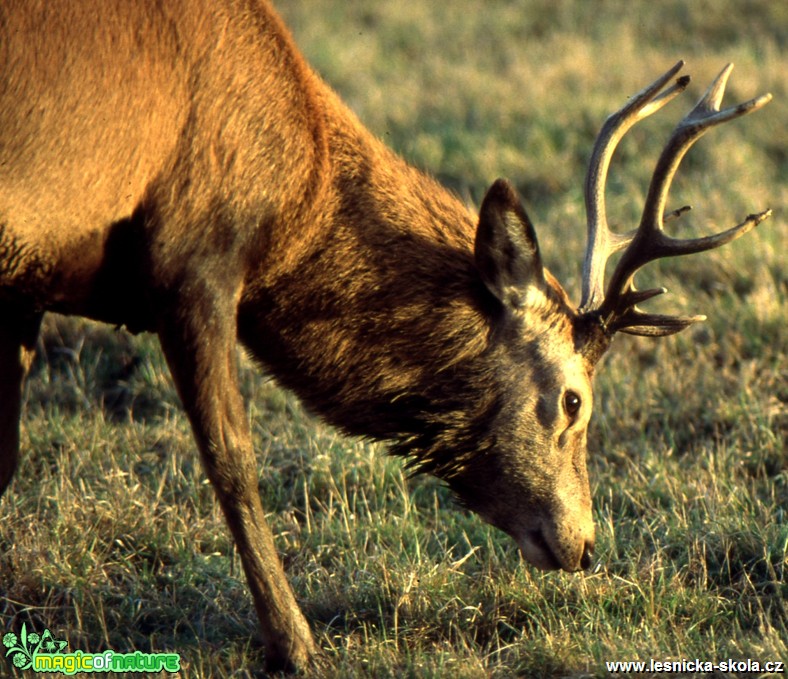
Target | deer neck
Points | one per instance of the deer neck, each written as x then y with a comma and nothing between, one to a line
384,267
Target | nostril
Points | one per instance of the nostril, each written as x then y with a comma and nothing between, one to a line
588,553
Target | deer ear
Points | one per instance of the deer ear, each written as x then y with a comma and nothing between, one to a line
506,251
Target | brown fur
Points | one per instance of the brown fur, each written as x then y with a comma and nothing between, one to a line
178,168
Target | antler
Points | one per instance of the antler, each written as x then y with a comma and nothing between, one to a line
618,309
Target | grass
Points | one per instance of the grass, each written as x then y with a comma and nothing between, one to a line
110,536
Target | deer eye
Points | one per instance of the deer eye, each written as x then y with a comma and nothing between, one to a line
572,404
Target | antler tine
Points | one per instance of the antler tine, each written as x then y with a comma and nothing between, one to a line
650,242
692,127
602,242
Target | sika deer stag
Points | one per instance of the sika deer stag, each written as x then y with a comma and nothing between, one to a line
177,168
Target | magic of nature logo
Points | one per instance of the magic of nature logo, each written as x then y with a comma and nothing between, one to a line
44,653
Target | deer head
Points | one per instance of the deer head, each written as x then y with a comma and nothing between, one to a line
536,458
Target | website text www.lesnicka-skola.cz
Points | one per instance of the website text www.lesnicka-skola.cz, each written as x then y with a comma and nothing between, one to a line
686,666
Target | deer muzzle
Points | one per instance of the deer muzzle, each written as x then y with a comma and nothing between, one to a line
565,546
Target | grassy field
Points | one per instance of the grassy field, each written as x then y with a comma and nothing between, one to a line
110,536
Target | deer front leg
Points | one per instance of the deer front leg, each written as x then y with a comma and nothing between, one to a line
200,350
18,335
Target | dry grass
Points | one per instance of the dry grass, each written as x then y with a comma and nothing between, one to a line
111,537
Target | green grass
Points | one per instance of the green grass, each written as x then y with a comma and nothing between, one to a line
110,535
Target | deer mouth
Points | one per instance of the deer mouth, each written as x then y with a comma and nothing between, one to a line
537,551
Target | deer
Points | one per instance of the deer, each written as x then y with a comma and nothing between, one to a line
179,169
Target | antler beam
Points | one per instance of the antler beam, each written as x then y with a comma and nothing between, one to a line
602,242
